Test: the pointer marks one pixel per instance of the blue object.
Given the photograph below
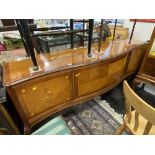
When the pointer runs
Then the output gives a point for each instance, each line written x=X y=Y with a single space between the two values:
x=78 y=26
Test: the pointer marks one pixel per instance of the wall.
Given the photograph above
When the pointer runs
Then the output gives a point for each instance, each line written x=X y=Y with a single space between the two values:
x=142 y=31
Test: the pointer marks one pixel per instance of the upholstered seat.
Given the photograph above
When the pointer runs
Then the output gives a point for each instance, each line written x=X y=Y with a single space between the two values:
x=56 y=126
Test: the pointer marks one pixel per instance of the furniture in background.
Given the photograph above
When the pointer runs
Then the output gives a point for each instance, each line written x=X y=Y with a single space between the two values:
x=10 y=22
x=140 y=121
x=10 y=25
x=46 y=43
x=12 y=41
x=146 y=73
x=68 y=78
x=121 y=32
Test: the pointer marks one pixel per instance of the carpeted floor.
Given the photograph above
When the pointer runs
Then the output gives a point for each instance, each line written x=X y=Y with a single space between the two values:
x=94 y=117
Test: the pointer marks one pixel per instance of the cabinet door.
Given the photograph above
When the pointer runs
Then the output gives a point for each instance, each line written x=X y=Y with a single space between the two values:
x=96 y=77
x=91 y=78
x=40 y=94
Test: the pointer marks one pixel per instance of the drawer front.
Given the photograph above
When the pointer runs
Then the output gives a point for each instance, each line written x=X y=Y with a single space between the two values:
x=39 y=95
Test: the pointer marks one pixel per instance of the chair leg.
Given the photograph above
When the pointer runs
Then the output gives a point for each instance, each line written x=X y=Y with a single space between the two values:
x=120 y=129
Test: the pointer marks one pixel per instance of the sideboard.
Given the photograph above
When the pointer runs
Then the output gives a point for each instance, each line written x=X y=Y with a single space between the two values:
x=68 y=77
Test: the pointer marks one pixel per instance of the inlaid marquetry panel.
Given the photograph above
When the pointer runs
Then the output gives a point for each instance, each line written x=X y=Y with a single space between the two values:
x=39 y=95
x=91 y=79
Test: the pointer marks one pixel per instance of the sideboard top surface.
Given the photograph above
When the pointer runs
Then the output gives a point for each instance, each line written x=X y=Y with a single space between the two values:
x=16 y=71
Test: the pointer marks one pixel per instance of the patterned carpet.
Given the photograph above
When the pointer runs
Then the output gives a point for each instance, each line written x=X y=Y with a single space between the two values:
x=94 y=117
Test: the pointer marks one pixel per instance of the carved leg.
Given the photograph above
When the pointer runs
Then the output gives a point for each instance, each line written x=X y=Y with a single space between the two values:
x=120 y=129
x=27 y=129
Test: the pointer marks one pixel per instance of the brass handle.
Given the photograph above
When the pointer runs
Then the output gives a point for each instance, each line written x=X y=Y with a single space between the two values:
x=66 y=77
x=32 y=114
x=49 y=92
x=68 y=98
x=78 y=74
x=34 y=88
x=47 y=97
x=23 y=91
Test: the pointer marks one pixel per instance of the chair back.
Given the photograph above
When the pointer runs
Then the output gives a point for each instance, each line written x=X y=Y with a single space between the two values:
x=140 y=106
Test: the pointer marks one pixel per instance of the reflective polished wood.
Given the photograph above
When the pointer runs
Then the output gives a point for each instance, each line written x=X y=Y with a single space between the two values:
x=19 y=70
x=68 y=77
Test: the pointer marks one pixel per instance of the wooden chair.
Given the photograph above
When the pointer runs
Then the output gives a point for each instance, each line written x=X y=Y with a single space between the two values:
x=140 y=121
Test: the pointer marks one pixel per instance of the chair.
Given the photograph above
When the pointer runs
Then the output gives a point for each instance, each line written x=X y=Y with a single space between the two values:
x=141 y=120
x=56 y=126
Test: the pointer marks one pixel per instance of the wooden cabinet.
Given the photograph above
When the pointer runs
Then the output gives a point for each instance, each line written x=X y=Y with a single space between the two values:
x=66 y=79
x=39 y=95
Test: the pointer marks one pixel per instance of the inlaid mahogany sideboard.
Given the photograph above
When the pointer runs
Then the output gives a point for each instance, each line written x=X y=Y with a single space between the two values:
x=68 y=77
